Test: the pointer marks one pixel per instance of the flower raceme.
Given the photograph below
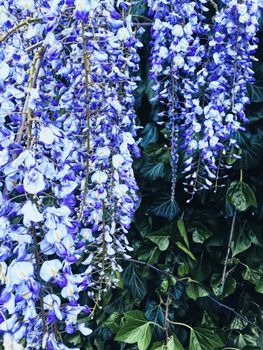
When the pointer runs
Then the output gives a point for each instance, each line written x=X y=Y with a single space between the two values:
x=68 y=191
x=202 y=83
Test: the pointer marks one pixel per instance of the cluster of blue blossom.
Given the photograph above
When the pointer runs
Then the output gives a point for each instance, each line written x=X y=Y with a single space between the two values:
x=68 y=192
x=201 y=72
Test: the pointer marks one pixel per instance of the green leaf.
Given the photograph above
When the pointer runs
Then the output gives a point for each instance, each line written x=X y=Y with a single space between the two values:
x=240 y=243
x=136 y=329
x=174 y=344
x=134 y=282
x=183 y=269
x=151 y=255
x=241 y=196
x=200 y=235
x=204 y=339
x=182 y=230
x=114 y=322
x=252 y=275
x=160 y=238
x=158 y=346
x=259 y=287
x=149 y=134
x=152 y=171
x=185 y=250
x=195 y=290
x=255 y=93
x=218 y=288
x=167 y=209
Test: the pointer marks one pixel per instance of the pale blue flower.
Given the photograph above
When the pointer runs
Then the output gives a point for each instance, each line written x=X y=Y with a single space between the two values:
x=19 y=272
x=50 y=269
x=31 y=213
x=34 y=182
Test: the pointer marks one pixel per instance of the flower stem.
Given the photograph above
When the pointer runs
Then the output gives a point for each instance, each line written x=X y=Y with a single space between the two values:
x=87 y=93
x=39 y=279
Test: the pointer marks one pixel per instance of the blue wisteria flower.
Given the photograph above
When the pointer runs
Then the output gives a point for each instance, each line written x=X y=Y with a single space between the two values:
x=67 y=136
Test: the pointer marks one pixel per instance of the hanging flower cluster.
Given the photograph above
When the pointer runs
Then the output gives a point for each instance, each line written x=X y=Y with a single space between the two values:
x=202 y=71
x=68 y=193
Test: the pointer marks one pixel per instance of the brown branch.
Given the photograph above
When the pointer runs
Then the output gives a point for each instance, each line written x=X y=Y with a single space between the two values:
x=23 y=23
x=34 y=71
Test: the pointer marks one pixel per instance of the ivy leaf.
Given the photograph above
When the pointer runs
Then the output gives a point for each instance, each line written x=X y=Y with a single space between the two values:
x=255 y=93
x=114 y=322
x=241 y=196
x=195 y=290
x=181 y=246
x=174 y=343
x=167 y=209
x=151 y=255
x=252 y=147
x=136 y=329
x=200 y=235
x=158 y=346
x=183 y=232
x=152 y=171
x=160 y=238
x=220 y=289
x=241 y=242
x=204 y=339
x=252 y=275
x=149 y=134
x=133 y=280
x=259 y=287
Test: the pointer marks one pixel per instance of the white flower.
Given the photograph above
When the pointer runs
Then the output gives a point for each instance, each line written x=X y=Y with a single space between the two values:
x=117 y=160
x=30 y=313
x=197 y=127
x=242 y=9
x=50 y=269
x=86 y=233
x=33 y=97
x=192 y=144
x=214 y=141
x=163 y=52
x=123 y=34
x=56 y=236
x=46 y=136
x=120 y=190
x=4 y=156
x=86 y=5
x=178 y=61
x=84 y=330
x=202 y=144
x=3 y=269
x=69 y=290
x=4 y=71
x=178 y=30
x=53 y=302
x=31 y=213
x=99 y=177
x=103 y=152
x=10 y=343
x=20 y=272
x=128 y=138
x=26 y=5
x=34 y=182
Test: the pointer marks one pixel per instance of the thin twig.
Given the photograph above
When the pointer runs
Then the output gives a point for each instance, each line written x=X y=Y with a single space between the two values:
x=228 y=248
x=244 y=318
